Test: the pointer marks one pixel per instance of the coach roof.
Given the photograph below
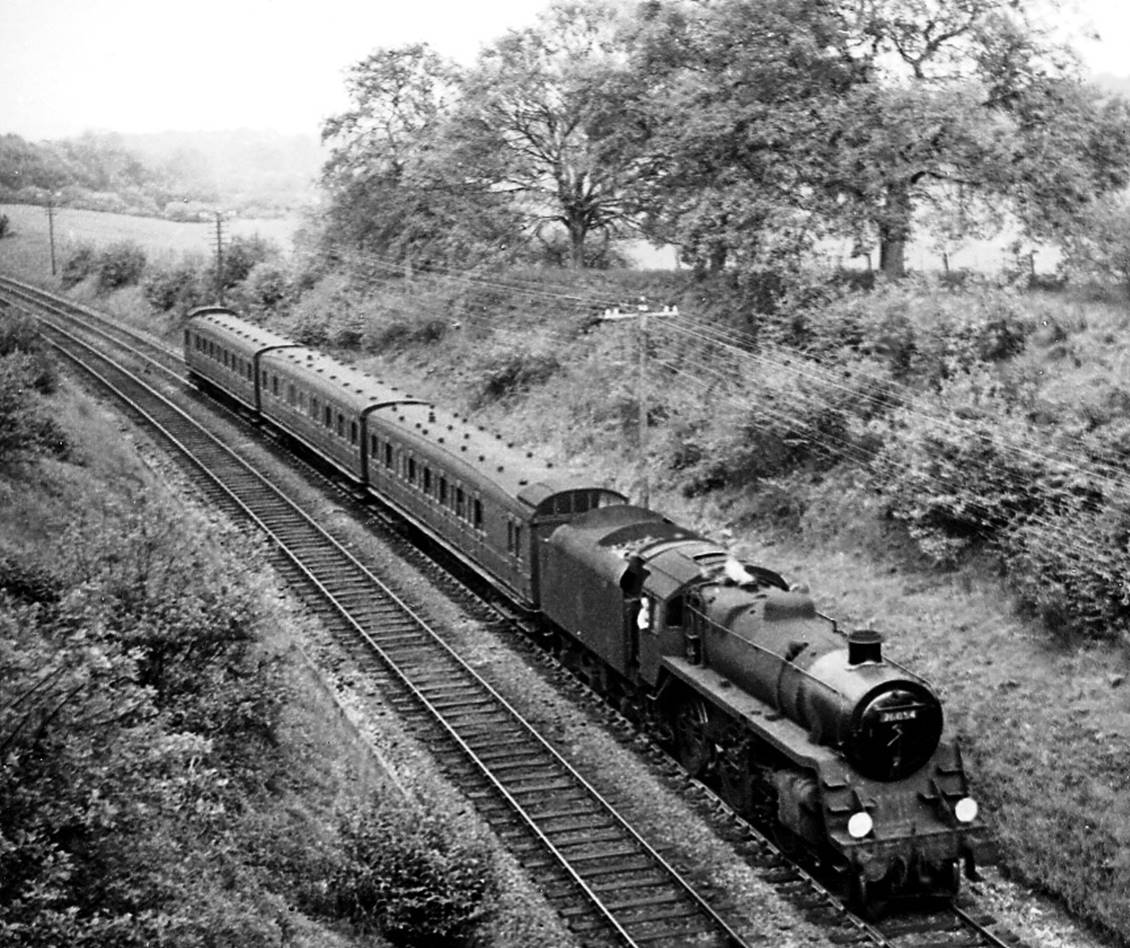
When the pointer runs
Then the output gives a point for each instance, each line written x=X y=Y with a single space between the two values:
x=333 y=379
x=484 y=455
x=223 y=324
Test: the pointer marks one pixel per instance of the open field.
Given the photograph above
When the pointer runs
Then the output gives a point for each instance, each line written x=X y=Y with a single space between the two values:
x=29 y=243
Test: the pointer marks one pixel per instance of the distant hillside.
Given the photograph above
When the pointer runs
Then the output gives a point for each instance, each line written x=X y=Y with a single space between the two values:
x=261 y=173
x=176 y=175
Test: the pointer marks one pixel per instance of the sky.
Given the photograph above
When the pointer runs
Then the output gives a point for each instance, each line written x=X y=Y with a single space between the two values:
x=69 y=66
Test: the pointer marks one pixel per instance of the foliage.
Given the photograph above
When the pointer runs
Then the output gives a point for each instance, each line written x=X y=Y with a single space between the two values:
x=175 y=287
x=79 y=263
x=26 y=374
x=507 y=373
x=975 y=472
x=393 y=197
x=241 y=255
x=140 y=713
x=118 y=265
x=407 y=876
x=529 y=118
x=167 y=175
x=865 y=122
x=1102 y=248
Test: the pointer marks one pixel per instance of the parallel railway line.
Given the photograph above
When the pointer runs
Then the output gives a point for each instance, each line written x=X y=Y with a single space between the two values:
x=608 y=883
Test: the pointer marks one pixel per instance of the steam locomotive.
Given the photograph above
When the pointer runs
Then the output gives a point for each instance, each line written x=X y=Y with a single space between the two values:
x=838 y=747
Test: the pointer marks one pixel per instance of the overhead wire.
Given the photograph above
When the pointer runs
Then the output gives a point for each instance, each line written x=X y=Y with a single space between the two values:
x=704 y=377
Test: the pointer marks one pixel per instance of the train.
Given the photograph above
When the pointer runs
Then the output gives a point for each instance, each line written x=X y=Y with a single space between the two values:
x=804 y=727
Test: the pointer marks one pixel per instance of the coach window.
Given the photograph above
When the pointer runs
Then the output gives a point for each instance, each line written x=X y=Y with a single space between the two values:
x=477 y=514
x=291 y=395
x=460 y=503
x=328 y=417
x=340 y=425
x=353 y=432
x=388 y=454
x=427 y=480
x=411 y=470
x=443 y=491
x=514 y=539
x=373 y=444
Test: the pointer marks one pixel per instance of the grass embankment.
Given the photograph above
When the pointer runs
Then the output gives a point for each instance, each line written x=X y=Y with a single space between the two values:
x=171 y=772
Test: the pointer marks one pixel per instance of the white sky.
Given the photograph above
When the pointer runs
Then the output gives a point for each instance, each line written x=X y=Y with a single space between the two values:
x=152 y=65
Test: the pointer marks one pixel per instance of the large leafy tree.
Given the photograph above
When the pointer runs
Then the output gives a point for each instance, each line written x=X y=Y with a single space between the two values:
x=533 y=112
x=970 y=107
x=725 y=102
x=396 y=193
x=774 y=122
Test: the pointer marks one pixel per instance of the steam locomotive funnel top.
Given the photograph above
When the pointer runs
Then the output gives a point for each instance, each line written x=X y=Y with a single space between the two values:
x=864 y=645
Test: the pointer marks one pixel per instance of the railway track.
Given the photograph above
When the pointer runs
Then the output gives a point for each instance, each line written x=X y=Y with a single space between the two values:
x=604 y=879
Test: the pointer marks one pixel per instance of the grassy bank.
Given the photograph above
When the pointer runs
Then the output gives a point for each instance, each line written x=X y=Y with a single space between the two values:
x=172 y=771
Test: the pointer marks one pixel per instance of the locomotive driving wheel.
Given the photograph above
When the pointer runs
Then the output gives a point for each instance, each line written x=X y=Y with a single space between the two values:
x=692 y=745
x=734 y=770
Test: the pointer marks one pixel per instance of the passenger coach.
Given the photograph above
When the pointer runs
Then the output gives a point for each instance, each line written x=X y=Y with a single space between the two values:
x=223 y=351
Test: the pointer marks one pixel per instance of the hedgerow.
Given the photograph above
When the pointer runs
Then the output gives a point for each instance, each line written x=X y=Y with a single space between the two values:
x=405 y=875
x=139 y=709
x=971 y=471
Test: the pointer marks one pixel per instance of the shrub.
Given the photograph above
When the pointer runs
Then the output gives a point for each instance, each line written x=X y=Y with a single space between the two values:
x=176 y=287
x=973 y=473
x=406 y=875
x=507 y=374
x=26 y=425
x=120 y=264
x=80 y=262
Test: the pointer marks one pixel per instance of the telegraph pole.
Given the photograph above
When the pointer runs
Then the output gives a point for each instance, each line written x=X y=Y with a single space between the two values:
x=51 y=229
x=642 y=313
x=220 y=257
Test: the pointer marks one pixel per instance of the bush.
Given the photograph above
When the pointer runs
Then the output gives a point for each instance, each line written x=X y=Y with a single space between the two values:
x=80 y=262
x=26 y=425
x=510 y=373
x=972 y=472
x=120 y=264
x=408 y=877
x=177 y=287
x=133 y=738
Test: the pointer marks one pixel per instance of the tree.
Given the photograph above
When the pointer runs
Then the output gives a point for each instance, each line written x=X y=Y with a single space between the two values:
x=725 y=103
x=531 y=117
x=860 y=120
x=394 y=193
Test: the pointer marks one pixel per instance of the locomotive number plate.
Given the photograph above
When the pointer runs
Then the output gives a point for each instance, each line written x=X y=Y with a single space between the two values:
x=889 y=717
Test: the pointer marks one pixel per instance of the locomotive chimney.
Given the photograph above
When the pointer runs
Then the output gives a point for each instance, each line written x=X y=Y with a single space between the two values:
x=864 y=645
